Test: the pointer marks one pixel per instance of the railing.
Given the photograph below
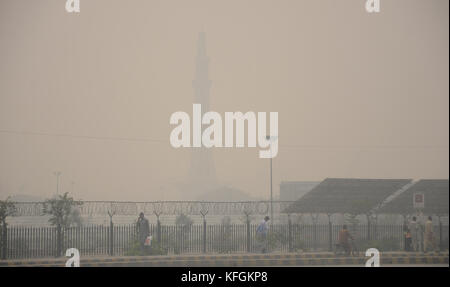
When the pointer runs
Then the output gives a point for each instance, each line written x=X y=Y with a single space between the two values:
x=41 y=242
x=97 y=208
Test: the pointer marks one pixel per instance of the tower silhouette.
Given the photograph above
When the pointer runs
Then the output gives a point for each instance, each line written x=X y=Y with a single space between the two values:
x=202 y=170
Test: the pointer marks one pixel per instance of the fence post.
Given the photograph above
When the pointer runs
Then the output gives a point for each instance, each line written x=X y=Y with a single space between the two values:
x=315 y=218
x=158 y=231
x=204 y=234
x=4 y=240
x=440 y=234
x=58 y=240
x=330 y=234
x=375 y=227
x=111 y=237
x=248 y=232
x=158 y=227
x=289 y=233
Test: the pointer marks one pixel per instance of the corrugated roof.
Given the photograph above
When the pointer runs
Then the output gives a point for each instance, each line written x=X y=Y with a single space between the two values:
x=436 y=193
x=346 y=195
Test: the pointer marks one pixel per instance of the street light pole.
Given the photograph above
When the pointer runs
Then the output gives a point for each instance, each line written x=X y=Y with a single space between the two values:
x=57 y=174
x=271 y=193
x=271 y=186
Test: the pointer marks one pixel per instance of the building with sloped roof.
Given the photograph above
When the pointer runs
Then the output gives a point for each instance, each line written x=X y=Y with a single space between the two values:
x=436 y=197
x=294 y=190
x=346 y=195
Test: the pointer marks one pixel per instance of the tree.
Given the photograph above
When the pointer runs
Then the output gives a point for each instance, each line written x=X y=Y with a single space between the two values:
x=7 y=208
x=61 y=210
x=184 y=221
x=75 y=218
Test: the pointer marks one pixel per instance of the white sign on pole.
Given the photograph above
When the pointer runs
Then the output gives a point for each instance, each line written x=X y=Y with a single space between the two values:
x=419 y=200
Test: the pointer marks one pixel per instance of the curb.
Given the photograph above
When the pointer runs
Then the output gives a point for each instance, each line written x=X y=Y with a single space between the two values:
x=235 y=260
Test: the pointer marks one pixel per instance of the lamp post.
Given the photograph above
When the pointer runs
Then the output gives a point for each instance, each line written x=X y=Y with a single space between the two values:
x=57 y=174
x=271 y=138
x=271 y=189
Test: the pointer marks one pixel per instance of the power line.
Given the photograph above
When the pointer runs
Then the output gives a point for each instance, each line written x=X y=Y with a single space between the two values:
x=365 y=146
x=288 y=146
x=82 y=136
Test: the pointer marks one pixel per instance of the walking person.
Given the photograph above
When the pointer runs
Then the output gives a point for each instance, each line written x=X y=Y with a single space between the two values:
x=421 y=233
x=344 y=238
x=414 y=229
x=143 y=231
x=428 y=236
x=261 y=234
x=408 y=239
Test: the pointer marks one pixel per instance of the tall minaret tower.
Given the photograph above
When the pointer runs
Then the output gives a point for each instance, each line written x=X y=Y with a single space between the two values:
x=202 y=83
x=202 y=172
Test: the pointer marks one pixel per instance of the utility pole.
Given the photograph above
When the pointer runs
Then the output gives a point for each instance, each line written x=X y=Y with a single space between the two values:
x=271 y=185
x=271 y=190
x=57 y=174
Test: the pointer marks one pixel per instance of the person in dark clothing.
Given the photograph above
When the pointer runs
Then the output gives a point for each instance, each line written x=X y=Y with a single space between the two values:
x=408 y=239
x=343 y=239
x=143 y=230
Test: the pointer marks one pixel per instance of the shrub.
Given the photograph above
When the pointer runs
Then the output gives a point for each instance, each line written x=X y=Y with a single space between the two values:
x=135 y=249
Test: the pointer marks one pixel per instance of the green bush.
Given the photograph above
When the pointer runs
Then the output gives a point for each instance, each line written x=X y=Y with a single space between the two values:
x=135 y=249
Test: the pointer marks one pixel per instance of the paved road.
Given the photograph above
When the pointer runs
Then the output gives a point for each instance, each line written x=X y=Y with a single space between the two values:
x=387 y=265
x=238 y=260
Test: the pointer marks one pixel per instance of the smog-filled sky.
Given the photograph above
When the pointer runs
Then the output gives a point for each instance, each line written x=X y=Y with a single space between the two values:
x=90 y=94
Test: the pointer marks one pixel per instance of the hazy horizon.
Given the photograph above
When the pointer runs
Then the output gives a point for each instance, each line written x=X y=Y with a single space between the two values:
x=358 y=95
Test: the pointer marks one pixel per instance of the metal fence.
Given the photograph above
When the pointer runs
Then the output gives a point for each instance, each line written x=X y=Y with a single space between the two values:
x=39 y=242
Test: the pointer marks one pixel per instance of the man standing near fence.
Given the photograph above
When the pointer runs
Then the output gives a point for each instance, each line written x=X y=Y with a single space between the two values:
x=143 y=231
x=344 y=238
x=261 y=234
x=429 y=240
x=414 y=228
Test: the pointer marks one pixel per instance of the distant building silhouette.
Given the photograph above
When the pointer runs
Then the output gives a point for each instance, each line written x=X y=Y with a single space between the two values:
x=202 y=172
x=294 y=190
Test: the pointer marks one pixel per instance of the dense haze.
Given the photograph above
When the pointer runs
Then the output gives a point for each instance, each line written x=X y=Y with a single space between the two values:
x=90 y=94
